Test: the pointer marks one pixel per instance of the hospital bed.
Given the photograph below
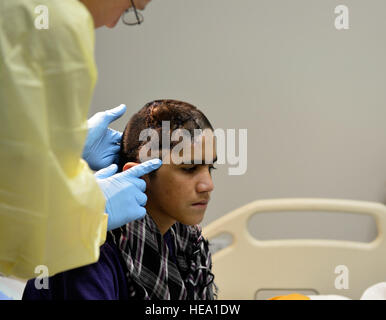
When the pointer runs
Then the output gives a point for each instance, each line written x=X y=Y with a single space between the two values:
x=249 y=266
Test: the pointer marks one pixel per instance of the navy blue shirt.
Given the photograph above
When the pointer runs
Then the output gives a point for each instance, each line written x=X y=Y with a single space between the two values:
x=103 y=280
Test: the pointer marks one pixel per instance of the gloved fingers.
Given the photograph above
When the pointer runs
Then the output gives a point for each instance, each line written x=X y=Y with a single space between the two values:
x=115 y=113
x=139 y=183
x=95 y=119
x=106 y=172
x=116 y=157
x=141 y=212
x=141 y=198
x=144 y=168
x=115 y=136
x=115 y=151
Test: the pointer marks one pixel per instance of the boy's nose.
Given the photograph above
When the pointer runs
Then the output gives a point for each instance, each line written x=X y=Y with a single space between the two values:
x=205 y=183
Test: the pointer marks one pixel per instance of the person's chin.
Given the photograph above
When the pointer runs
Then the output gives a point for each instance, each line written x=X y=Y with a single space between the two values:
x=196 y=216
x=142 y=6
x=111 y=25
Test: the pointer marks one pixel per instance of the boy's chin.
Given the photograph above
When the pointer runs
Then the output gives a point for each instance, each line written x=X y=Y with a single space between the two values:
x=194 y=220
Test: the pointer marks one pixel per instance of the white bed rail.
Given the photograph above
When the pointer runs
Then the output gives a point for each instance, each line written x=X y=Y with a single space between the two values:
x=249 y=265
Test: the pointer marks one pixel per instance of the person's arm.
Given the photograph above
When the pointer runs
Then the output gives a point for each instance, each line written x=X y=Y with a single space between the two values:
x=52 y=208
x=52 y=211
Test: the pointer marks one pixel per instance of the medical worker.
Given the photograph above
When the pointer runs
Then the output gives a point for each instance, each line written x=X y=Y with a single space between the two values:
x=54 y=212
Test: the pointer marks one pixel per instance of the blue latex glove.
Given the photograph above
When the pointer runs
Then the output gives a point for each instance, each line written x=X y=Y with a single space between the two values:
x=102 y=143
x=124 y=192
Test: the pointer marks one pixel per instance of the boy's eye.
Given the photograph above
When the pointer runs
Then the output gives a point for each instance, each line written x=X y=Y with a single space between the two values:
x=194 y=168
x=190 y=169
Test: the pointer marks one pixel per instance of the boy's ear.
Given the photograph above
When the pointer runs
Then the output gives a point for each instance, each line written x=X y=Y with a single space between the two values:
x=129 y=165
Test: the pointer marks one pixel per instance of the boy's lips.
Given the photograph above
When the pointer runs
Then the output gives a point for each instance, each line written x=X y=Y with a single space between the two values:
x=202 y=203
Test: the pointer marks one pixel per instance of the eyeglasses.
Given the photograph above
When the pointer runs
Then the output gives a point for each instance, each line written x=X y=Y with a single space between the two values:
x=132 y=17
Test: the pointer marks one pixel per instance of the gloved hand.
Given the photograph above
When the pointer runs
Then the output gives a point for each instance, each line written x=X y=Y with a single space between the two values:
x=102 y=143
x=124 y=192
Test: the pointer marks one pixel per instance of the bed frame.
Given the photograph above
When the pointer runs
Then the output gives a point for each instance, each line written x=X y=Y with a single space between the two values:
x=249 y=266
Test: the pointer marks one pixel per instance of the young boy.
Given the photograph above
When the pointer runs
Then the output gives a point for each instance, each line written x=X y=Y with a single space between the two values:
x=163 y=255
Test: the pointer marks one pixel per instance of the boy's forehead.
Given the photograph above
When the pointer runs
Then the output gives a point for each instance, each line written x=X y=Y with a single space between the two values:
x=185 y=150
x=195 y=152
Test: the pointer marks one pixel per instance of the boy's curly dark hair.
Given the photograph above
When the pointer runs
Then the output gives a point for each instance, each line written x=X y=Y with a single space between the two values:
x=181 y=115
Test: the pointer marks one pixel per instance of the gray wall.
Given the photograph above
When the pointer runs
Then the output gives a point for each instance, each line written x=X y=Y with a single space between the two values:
x=312 y=97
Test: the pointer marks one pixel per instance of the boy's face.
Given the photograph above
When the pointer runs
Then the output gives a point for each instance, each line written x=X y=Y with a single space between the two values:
x=181 y=192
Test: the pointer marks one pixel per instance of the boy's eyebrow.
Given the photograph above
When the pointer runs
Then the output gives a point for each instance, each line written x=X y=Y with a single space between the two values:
x=201 y=162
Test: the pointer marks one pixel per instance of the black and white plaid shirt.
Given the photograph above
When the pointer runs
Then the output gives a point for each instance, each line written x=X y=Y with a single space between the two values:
x=150 y=271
